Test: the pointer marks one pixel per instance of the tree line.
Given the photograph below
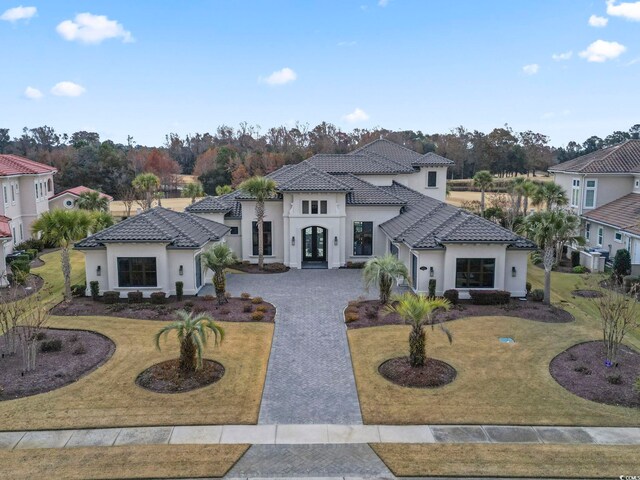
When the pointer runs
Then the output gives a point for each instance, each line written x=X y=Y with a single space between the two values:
x=231 y=155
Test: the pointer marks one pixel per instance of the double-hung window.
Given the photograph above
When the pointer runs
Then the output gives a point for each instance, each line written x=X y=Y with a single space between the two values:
x=600 y=236
x=587 y=231
x=590 y=193
x=137 y=272
x=575 y=192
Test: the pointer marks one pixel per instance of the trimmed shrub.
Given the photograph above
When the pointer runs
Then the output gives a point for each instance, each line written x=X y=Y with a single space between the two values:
x=432 y=287
x=32 y=252
x=158 y=298
x=528 y=287
x=94 y=286
x=580 y=269
x=575 y=258
x=489 y=297
x=275 y=267
x=245 y=296
x=78 y=289
x=179 y=290
x=582 y=369
x=615 y=379
x=357 y=265
x=208 y=298
x=199 y=309
x=537 y=295
x=24 y=257
x=257 y=316
x=134 y=297
x=79 y=350
x=41 y=336
x=31 y=244
x=351 y=317
x=371 y=313
x=259 y=308
x=110 y=297
x=621 y=264
x=247 y=309
x=21 y=265
x=53 y=345
x=256 y=300
x=452 y=295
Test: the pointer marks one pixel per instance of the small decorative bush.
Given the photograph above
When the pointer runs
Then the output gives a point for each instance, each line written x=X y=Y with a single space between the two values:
x=78 y=289
x=432 y=287
x=20 y=266
x=41 y=336
x=351 y=317
x=110 y=297
x=257 y=316
x=528 y=287
x=275 y=267
x=575 y=258
x=247 y=309
x=94 y=286
x=582 y=369
x=259 y=308
x=79 y=350
x=31 y=244
x=245 y=296
x=22 y=258
x=580 y=269
x=158 y=298
x=179 y=290
x=53 y=345
x=452 y=295
x=489 y=297
x=134 y=297
x=615 y=379
x=621 y=264
x=357 y=265
x=208 y=298
x=636 y=385
x=537 y=295
x=256 y=300
x=227 y=295
x=225 y=311
x=32 y=252
x=371 y=313
x=536 y=257
x=199 y=309
x=117 y=307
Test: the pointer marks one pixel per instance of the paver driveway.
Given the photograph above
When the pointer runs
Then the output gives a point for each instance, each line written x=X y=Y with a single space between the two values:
x=310 y=377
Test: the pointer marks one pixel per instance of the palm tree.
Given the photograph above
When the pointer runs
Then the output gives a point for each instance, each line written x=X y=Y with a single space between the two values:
x=146 y=184
x=217 y=259
x=417 y=311
x=223 y=189
x=93 y=201
x=550 y=193
x=381 y=272
x=482 y=180
x=550 y=230
x=261 y=188
x=193 y=191
x=100 y=221
x=62 y=228
x=192 y=331
x=529 y=189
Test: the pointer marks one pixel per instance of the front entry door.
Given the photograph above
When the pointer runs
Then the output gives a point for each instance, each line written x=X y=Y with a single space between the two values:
x=314 y=244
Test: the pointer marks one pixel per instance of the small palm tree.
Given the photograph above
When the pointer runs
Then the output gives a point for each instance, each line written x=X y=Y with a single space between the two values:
x=529 y=189
x=217 y=259
x=193 y=191
x=192 y=331
x=483 y=180
x=223 y=189
x=62 y=228
x=417 y=311
x=147 y=185
x=551 y=194
x=381 y=272
x=100 y=220
x=93 y=201
x=261 y=188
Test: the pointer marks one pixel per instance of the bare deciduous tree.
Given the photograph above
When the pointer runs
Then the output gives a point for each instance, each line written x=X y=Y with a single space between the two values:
x=10 y=312
x=34 y=317
x=619 y=314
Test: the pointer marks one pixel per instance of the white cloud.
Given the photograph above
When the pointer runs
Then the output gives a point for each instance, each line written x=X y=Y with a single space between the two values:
x=18 y=13
x=601 y=51
x=280 y=77
x=358 y=115
x=383 y=3
x=628 y=10
x=68 y=89
x=558 y=57
x=33 y=93
x=596 y=21
x=92 y=29
x=531 y=69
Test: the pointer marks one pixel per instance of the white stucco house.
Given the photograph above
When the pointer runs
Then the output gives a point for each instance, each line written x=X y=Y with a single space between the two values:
x=5 y=237
x=604 y=190
x=67 y=198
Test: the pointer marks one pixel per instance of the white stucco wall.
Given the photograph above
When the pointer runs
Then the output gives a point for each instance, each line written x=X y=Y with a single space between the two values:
x=429 y=259
x=608 y=187
x=609 y=241
x=62 y=200
x=157 y=250
x=377 y=215
x=516 y=285
x=273 y=214
x=92 y=260
x=418 y=182
x=482 y=250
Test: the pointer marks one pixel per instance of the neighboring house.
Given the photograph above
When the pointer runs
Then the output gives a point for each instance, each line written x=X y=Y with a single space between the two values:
x=604 y=189
x=150 y=252
x=67 y=198
x=383 y=198
x=5 y=236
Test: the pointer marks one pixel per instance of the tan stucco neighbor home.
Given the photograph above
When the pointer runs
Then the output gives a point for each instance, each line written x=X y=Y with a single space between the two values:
x=330 y=210
x=67 y=199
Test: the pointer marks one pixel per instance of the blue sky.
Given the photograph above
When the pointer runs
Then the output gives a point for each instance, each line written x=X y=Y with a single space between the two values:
x=150 y=68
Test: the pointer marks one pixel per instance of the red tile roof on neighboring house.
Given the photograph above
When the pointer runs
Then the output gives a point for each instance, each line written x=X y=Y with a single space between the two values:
x=621 y=158
x=623 y=213
x=77 y=191
x=5 y=230
x=15 y=165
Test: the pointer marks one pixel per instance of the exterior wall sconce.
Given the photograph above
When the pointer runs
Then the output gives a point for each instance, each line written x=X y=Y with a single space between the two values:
x=513 y=271
x=293 y=241
x=181 y=270
x=431 y=272
x=335 y=241
x=98 y=271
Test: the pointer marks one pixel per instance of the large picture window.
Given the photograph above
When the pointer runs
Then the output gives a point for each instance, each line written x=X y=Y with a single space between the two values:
x=266 y=236
x=137 y=272
x=475 y=272
x=363 y=238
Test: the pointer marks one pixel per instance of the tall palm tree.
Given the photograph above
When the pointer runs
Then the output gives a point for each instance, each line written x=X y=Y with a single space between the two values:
x=62 y=228
x=192 y=331
x=552 y=194
x=381 y=272
x=482 y=180
x=217 y=259
x=193 y=191
x=261 y=188
x=147 y=185
x=417 y=311
x=93 y=201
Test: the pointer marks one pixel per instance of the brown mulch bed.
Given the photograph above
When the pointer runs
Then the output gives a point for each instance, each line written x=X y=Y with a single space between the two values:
x=54 y=369
x=268 y=268
x=165 y=377
x=13 y=293
x=371 y=314
x=581 y=369
x=232 y=311
x=434 y=373
x=587 y=293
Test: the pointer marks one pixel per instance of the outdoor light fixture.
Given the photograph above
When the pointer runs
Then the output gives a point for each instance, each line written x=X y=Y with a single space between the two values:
x=335 y=240
x=513 y=271
x=181 y=270
x=98 y=271
x=293 y=241
x=431 y=271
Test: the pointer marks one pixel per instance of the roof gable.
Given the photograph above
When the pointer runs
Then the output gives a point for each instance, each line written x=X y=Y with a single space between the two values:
x=621 y=158
x=623 y=213
x=77 y=191
x=15 y=165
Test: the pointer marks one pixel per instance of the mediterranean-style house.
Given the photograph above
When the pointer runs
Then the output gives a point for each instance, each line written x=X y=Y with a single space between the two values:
x=67 y=198
x=604 y=190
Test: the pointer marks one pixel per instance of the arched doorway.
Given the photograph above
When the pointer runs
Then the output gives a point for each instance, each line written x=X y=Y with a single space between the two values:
x=314 y=247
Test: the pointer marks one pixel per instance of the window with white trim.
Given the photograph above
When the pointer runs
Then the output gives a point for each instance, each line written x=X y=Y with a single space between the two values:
x=314 y=207
x=600 y=236
x=618 y=236
x=21 y=233
x=587 y=230
x=35 y=184
x=6 y=197
x=13 y=193
x=575 y=192
x=590 y=187
x=432 y=179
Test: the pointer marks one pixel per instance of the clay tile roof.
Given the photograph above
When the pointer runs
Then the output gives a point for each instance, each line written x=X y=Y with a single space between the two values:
x=77 y=191
x=5 y=230
x=15 y=165
x=365 y=193
x=431 y=159
x=623 y=213
x=621 y=158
